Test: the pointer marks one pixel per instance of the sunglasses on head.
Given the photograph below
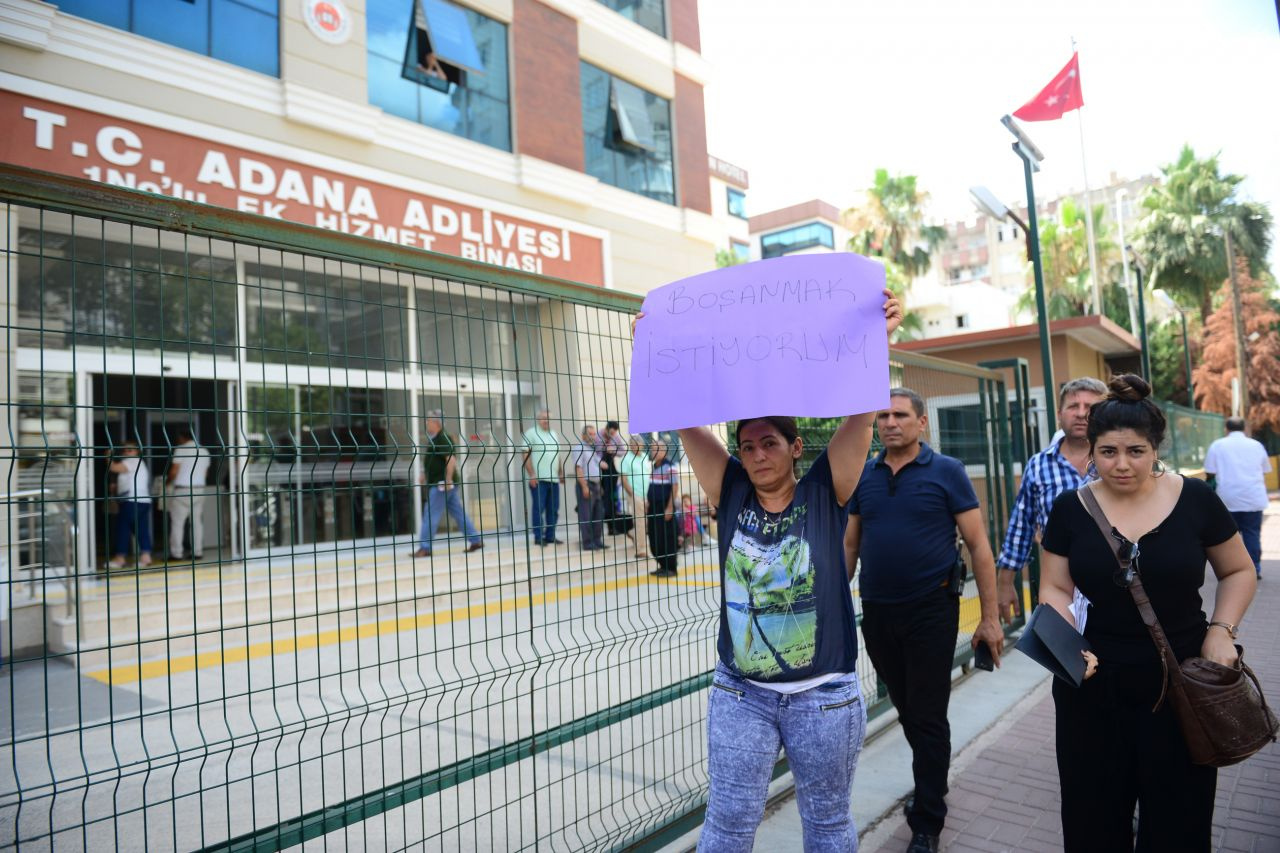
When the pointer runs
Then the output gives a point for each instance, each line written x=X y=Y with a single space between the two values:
x=1128 y=554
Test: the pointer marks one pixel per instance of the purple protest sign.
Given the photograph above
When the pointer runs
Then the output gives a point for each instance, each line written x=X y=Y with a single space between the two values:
x=802 y=335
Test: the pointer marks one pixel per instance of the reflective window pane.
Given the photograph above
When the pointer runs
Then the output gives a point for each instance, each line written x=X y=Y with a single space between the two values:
x=242 y=32
x=476 y=107
x=648 y=172
x=647 y=13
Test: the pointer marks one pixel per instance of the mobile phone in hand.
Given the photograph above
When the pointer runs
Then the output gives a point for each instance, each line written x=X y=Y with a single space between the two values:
x=982 y=657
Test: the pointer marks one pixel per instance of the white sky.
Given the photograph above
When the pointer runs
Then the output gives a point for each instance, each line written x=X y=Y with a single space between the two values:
x=811 y=96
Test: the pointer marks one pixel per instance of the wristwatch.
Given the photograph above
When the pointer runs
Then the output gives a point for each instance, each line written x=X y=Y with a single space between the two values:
x=1230 y=629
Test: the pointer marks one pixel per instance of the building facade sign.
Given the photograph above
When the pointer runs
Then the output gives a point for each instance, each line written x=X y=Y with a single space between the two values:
x=328 y=20
x=727 y=172
x=70 y=141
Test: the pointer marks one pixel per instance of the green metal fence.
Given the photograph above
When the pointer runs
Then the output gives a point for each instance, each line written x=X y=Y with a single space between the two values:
x=1190 y=434
x=303 y=677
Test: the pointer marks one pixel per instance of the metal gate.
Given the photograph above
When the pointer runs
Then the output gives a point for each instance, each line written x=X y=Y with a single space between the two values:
x=302 y=679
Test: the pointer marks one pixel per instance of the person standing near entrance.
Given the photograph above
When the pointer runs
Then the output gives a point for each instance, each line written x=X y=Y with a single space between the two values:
x=586 y=466
x=612 y=448
x=635 y=468
x=662 y=500
x=1060 y=467
x=133 y=496
x=1238 y=465
x=903 y=518
x=188 y=472
x=541 y=466
x=439 y=470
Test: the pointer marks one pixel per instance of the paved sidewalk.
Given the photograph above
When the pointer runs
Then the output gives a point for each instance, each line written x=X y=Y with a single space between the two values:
x=1004 y=787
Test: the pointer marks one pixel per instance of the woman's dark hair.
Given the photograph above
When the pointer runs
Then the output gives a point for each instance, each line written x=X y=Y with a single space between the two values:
x=1127 y=406
x=782 y=423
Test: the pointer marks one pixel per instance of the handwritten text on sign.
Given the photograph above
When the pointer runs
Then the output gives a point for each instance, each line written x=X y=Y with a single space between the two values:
x=801 y=335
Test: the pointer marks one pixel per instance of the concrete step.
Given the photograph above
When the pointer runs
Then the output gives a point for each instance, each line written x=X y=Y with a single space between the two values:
x=143 y=612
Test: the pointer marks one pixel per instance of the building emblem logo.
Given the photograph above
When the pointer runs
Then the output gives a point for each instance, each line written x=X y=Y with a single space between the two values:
x=328 y=20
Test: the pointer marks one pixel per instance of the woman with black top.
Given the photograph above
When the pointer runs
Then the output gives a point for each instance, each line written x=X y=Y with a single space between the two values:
x=1113 y=750
x=788 y=642
x=663 y=498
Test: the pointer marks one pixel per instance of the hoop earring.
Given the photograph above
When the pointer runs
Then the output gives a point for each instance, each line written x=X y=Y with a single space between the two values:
x=1158 y=469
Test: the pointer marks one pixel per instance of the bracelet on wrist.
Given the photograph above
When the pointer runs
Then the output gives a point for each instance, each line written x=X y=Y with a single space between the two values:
x=1232 y=630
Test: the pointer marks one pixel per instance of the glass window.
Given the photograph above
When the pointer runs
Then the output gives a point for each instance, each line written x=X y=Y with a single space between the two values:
x=464 y=331
x=86 y=282
x=242 y=32
x=742 y=251
x=327 y=464
x=627 y=135
x=458 y=83
x=326 y=314
x=794 y=239
x=737 y=203
x=646 y=13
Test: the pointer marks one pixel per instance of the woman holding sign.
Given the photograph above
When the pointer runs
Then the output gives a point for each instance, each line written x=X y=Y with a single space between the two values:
x=788 y=643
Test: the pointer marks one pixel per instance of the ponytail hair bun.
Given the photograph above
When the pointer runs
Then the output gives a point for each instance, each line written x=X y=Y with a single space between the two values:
x=1128 y=405
x=1128 y=387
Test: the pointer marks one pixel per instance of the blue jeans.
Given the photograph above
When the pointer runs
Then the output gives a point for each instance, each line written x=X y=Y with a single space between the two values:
x=544 y=506
x=1250 y=524
x=133 y=519
x=438 y=502
x=822 y=731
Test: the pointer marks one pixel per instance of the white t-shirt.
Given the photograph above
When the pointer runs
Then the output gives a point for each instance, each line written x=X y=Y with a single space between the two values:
x=134 y=483
x=193 y=465
x=1239 y=463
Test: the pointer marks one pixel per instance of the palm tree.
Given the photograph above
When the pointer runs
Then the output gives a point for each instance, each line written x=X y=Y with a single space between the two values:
x=890 y=224
x=1182 y=231
x=1064 y=258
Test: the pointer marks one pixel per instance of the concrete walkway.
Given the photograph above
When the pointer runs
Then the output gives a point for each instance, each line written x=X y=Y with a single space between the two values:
x=1004 y=777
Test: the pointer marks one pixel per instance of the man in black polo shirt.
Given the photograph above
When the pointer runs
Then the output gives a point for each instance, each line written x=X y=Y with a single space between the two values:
x=439 y=469
x=902 y=523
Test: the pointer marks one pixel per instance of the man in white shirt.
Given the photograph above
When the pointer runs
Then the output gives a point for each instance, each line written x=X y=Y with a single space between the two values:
x=133 y=516
x=188 y=472
x=1238 y=465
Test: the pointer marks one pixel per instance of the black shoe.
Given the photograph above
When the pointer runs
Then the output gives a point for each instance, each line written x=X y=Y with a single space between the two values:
x=923 y=842
x=908 y=805
x=664 y=573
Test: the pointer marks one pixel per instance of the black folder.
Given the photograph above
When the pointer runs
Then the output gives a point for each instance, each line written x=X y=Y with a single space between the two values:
x=1055 y=644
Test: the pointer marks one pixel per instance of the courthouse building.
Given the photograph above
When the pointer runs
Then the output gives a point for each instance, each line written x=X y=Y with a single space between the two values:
x=565 y=138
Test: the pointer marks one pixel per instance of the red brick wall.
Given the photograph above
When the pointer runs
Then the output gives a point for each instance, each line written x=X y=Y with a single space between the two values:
x=548 y=90
x=691 y=146
x=684 y=23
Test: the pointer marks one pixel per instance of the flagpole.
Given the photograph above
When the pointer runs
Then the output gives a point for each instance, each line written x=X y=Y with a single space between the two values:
x=1088 y=210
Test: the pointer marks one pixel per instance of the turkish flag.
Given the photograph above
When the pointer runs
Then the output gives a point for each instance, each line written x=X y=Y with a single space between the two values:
x=1062 y=95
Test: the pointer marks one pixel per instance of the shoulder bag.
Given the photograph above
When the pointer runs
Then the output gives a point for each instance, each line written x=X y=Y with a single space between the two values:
x=1223 y=716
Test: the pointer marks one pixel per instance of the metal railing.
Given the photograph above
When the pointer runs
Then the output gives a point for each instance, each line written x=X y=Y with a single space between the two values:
x=1190 y=433
x=307 y=678
x=45 y=535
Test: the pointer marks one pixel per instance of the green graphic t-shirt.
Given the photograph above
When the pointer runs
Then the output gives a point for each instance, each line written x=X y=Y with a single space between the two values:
x=786 y=612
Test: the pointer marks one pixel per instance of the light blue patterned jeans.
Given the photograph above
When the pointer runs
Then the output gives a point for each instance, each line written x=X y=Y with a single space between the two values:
x=822 y=731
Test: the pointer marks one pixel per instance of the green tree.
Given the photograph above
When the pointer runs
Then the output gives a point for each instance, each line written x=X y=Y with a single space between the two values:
x=890 y=224
x=1168 y=362
x=1064 y=259
x=726 y=258
x=1182 y=231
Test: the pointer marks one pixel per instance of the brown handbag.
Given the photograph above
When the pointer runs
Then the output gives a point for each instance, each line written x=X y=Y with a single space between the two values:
x=1223 y=716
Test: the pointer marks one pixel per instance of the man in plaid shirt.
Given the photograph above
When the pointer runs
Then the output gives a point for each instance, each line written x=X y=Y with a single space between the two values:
x=1061 y=466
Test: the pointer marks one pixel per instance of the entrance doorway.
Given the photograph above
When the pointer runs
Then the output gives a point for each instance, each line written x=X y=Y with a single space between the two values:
x=152 y=411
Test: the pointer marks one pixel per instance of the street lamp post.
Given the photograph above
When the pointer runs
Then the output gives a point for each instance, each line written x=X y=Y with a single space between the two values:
x=1031 y=157
x=1237 y=310
x=1186 y=344
x=1140 y=267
